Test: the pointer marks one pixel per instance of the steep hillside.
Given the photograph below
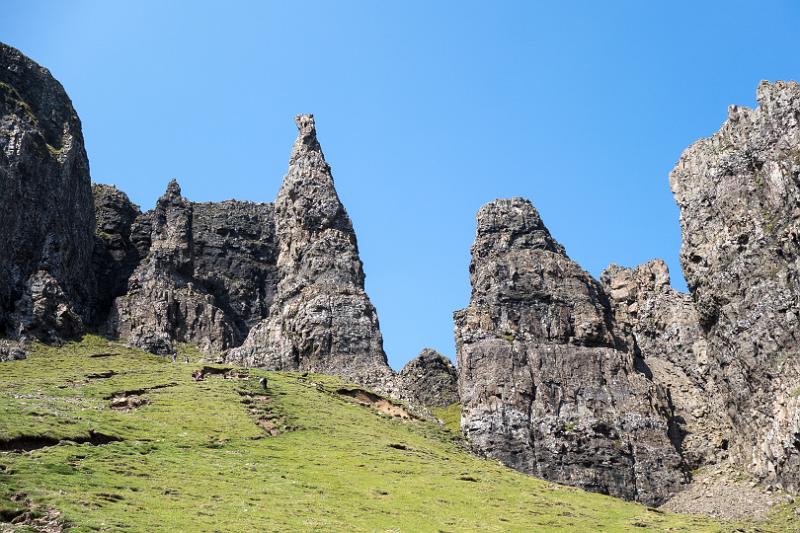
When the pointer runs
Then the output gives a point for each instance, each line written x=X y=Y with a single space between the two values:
x=153 y=450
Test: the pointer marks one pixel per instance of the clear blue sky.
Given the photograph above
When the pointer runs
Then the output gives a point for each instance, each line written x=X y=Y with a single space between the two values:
x=426 y=110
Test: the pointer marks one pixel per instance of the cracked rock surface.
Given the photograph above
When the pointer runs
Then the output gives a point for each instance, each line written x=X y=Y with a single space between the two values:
x=321 y=319
x=431 y=379
x=547 y=385
x=47 y=219
x=739 y=197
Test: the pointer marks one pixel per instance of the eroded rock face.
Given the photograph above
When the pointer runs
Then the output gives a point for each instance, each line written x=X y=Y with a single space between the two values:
x=739 y=196
x=547 y=385
x=235 y=254
x=163 y=304
x=115 y=256
x=321 y=319
x=47 y=218
x=430 y=379
x=666 y=335
x=201 y=273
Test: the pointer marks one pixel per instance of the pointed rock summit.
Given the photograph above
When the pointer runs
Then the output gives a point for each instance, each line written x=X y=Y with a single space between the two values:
x=321 y=319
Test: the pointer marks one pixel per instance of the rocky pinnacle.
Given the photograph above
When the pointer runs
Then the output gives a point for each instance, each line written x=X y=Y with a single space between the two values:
x=321 y=319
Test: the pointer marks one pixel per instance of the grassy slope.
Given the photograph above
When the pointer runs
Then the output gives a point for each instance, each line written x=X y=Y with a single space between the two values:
x=193 y=459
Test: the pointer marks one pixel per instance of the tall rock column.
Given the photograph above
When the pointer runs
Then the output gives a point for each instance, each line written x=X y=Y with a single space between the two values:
x=547 y=386
x=46 y=211
x=739 y=196
x=321 y=319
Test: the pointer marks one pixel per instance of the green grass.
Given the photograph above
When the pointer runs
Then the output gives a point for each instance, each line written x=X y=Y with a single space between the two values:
x=450 y=416
x=194 y=459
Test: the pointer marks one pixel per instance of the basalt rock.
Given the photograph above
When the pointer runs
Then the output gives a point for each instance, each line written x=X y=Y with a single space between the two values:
x=320 y=319
x=739 y=197
x=547 y=384
x=164 y=305
x=666 y=335
x=115 y=256
x=430 y=379
x=235 y=254
x=47 y=218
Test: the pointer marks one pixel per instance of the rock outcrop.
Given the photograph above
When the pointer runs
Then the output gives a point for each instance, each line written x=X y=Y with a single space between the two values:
x=430 y=379
x=47 y=218
x=115 y=256
x=321 y=319
x=666 y=335
x=202 y=273
x=235 y=254
x=739 y=197
x=547 y=384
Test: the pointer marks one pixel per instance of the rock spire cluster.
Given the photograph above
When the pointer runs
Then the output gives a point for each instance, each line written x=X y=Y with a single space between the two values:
x=620 y=385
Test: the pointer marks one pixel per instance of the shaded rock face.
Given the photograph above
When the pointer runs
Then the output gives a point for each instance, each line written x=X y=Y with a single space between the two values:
x=235 y=254
x=665 y=332
x=321 y=319
x=739 y=196
x=47 y=219
x=547 y=385
x=115 y=257
x=207 y=274
x=430 y=379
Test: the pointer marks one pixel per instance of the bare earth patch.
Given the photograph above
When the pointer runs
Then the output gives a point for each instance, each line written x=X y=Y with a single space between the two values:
x=378 y=403
x=127 y=402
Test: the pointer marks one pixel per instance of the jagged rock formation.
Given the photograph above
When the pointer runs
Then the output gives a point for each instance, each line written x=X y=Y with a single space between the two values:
x=162 y=305
x=115 y=256
x=321 y=319
x=547 y=385
x=666 y=334
x=739 y=196
x=430 y=379
x=622 y=386
x=206 y=273
x=46 y=220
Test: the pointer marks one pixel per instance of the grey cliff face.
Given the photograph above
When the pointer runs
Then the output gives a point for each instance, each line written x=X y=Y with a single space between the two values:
x=235 y=255
x=47 y=220
x=320 y=319
x=163 y=304
x=430 y=379
x=207 y=270
x=664 y=329
x=739 y=196
x=546 y=383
